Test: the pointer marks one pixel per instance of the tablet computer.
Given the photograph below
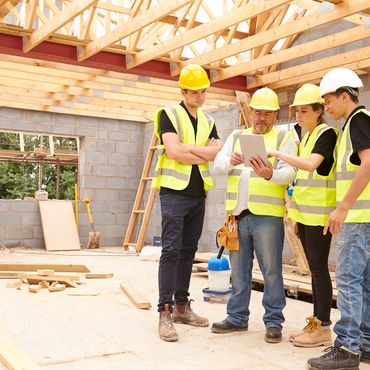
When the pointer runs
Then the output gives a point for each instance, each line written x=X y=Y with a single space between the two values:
x=252 y=146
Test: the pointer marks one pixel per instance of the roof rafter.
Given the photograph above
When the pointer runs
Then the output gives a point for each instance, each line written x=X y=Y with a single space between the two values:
x=275 y=34
x=53 y=24
x=233 y=17
x=318 y=65
x=308 y=48
x=134 y=25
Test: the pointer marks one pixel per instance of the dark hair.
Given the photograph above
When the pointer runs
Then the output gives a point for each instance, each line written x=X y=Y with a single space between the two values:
x=351 y=91
x=320 y=107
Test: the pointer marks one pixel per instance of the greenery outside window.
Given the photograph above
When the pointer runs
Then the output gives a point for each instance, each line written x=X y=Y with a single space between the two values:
x=36 y=161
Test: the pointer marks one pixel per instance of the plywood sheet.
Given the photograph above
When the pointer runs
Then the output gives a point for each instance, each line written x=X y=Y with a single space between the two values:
x=58 y=225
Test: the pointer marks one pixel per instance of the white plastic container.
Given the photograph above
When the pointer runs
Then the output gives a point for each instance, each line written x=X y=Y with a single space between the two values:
x=219 y=274
x=219 y=280
x=150 y=253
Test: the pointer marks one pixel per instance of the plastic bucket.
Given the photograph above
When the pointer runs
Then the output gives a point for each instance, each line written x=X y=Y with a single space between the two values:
x=219 y=274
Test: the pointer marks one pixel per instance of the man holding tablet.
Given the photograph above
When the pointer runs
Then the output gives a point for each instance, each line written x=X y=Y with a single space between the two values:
x=255 y=195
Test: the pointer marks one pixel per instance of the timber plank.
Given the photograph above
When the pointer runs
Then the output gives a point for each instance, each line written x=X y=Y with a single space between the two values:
x=136 y=297
x=13 y=357
x=40 y=266
x=99 y=275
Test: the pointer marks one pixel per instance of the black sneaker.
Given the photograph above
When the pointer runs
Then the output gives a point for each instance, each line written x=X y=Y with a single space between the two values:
x=227 y=327
x=365 y=356
x=273 y=335
x=335 y=358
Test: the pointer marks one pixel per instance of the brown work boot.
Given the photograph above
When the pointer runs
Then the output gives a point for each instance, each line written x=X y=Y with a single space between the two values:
x=318 y=335
x=306 y=329
x=166 y=330
x=184 y=314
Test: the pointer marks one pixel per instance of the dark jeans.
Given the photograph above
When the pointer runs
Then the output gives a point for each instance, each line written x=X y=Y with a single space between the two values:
x=317 y=247
x=182 y=223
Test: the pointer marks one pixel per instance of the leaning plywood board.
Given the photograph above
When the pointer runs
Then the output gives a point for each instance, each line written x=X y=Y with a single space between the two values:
x=136 y=297
x=58 y=225
x=13 y=358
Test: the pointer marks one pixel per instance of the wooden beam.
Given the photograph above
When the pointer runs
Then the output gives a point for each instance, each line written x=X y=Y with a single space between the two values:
x=227 y=20
x=13 y=357
x=5 y=5
x=128 y=28
x=53 y=24
x=39 y=266
x=298 y=51
x=136 y=297
x=322 y=65
x=311 y=21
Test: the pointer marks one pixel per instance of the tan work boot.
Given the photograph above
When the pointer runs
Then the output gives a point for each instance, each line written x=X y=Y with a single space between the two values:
x=306 y=329
x=166 y=330
x=317 y=336
x=184 y=314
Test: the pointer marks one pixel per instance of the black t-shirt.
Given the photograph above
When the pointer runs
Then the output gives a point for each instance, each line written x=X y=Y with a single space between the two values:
x=195 y=187
x=324 y=146
x=360 y=133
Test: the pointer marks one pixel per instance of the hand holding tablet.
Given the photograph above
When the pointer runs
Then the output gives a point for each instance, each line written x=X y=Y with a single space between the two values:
x=253 y=146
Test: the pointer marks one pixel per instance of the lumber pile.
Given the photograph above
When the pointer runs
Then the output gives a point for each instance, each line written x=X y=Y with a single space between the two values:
x=45 y=277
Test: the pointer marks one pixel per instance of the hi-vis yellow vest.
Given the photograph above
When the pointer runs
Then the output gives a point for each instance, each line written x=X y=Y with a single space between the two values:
x=314 y=195
x=170 y=173
x=360 y=210
x=264 y=197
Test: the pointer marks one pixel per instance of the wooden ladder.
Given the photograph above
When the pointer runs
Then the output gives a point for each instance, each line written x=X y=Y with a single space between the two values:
x=138 y=208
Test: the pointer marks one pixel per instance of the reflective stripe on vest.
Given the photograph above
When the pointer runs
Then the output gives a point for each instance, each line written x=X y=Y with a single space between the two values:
x=170 y=173
x=346 y=171
x=314 y=195
x=258 y=202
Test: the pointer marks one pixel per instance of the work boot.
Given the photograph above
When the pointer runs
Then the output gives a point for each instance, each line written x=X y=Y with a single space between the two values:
x=309 y=321
x=227 y=327
x=273 y=335
x=365 y=356
x=184 y=314
x=336 y=357
x=166 y=330
x=317 y=335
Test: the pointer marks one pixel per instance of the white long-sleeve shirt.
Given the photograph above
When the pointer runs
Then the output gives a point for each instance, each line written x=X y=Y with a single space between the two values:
x=283 y=174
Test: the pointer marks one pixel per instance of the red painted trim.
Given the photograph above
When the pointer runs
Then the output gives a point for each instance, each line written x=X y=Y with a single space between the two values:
x=13 y=45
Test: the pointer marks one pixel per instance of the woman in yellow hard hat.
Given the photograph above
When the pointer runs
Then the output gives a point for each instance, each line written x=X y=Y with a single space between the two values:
x=312 y=201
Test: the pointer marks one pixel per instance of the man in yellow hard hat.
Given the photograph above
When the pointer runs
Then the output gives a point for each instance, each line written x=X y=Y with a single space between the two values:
x=255 y=195
x=351 y=220
x=188 y=141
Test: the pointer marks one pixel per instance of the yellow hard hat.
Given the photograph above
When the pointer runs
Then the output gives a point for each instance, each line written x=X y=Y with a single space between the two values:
x=193 y=77
x=265 y=99
x=307 y=94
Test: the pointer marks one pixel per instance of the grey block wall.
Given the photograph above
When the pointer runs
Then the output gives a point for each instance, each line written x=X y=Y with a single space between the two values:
x=111 y=161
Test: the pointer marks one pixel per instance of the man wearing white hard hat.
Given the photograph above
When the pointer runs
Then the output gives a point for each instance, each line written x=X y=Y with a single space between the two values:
x=255 y=195
x=351 y=219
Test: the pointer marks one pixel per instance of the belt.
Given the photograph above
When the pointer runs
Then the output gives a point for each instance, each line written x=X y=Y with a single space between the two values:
x=243 y=214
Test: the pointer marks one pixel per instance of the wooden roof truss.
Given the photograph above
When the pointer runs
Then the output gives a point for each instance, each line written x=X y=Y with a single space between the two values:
x=251 y=38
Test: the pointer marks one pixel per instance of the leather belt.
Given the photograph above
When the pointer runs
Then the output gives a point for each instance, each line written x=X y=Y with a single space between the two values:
x=243 y=214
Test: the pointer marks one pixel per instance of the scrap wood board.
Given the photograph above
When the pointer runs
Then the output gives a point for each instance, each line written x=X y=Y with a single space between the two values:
x=13 y=358
x=136 y=297
x=58 y=225
x=41 y=266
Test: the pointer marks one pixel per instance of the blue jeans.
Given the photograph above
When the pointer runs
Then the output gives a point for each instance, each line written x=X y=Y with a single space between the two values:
x=353 y=284
x=182 y=223
x=263 y=235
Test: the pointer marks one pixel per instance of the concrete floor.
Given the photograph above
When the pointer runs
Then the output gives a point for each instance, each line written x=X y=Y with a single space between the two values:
x=106 y=331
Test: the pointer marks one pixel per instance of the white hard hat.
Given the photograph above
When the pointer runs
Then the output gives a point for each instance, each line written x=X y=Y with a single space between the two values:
x=337 y=78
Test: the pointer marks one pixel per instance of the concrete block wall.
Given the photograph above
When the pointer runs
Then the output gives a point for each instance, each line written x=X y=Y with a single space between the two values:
x=111 y=161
